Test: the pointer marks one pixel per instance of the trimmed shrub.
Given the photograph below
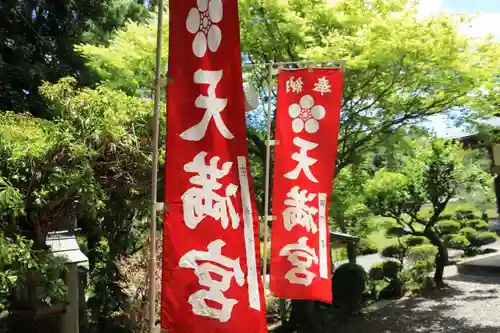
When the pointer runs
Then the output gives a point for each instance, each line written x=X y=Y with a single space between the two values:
x=483 y=226
x=377 y=272
x=394 y=290
x=391 y=269
x=394 y=251
x=468 y=232
x=458 y=242
x=420 y=270
x=366 y=247
x=447 y=227
x=471 y=223
x=411 y=240
x=476 y=224
x=447 y=238
x=483 y=238
x=395 y=231
x=465 y=215
x=444 y=217
x=348 y=288
x=425 y=252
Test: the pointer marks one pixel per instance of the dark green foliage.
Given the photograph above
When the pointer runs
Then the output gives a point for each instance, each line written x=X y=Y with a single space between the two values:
x=411 y=240
x=483 y=238
x=38 y=39
x=394 y=290
x=348 y=287
x=394 y=251
x=395 y=231
x=377 y=272
x=445 y=227
x=388 y=271
x=366 y=247
x=37 y=44
x=391 y=269
x=465 y=215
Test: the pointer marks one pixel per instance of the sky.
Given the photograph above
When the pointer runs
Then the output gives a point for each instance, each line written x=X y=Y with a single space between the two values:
x=486 y=21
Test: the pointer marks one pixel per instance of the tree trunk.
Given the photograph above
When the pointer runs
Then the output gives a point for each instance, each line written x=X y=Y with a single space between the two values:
x=441 y=257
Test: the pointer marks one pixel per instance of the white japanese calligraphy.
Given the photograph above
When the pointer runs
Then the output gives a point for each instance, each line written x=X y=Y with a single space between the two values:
x=304 y=161
x=294 y=85
x=216 y=273
x=302 y=257
x=298 y=212
x=213 y=107
x=202 y=200
x=322 y=85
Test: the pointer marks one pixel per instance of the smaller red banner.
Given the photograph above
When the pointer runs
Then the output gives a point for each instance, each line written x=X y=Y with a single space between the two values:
x=307 y=126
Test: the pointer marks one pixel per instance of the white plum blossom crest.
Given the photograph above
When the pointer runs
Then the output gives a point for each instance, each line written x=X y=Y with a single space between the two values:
x=201 y=21
x=306 y=115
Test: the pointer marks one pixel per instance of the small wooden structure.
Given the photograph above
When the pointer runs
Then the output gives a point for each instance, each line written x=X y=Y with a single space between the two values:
x=341 y=240
x=476 y=141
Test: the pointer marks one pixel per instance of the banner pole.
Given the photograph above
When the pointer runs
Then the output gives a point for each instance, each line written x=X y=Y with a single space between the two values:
x=154 y=172
x=268 y=165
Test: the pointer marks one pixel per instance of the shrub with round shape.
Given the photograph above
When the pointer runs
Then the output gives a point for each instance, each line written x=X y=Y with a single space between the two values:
x=348 y=287
x=468 y=232
x=394 y=251
x=447 y=227
x=425 y=252
x=391 y=269
x=479 y=225
x=483 y=238
x=411 y=240
x=458 y=242
x=377 y=271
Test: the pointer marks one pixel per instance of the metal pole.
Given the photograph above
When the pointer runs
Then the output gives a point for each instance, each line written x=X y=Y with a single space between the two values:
x=268 y=164
x=154 y=172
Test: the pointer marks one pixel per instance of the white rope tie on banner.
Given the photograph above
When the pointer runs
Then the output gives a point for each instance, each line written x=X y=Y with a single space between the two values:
x=272 y=142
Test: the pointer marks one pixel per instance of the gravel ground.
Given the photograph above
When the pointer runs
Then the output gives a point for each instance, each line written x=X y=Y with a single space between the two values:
x=471 y=304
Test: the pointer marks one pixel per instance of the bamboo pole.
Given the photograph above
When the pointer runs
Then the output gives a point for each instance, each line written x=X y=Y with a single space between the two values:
x=268 y=166
x=154 y=172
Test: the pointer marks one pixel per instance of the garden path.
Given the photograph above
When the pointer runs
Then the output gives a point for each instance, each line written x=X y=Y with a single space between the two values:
x=471 y=304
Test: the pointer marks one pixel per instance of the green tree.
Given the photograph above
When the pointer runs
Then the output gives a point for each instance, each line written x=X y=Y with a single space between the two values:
x=399 y=69
x=128 y=62
x=90 y=165
x=37 y=43
x=434 y=172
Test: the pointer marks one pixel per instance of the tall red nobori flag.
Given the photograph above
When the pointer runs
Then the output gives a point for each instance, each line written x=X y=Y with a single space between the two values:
x=211 y=281
x=307 y=126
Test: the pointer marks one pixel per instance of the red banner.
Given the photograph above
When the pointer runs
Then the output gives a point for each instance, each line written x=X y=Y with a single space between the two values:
x=307 y=126
x=211 y=272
